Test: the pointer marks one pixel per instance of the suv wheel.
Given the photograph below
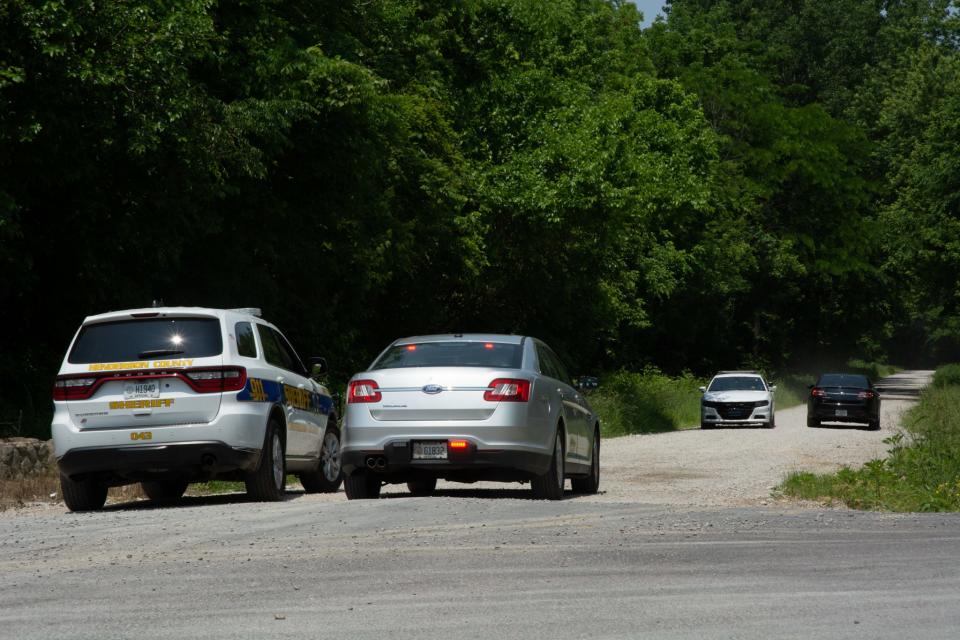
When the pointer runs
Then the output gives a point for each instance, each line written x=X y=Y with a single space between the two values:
x=362 y=486
x=82 y=495
x=549 y=486
x=591 y=483
x=327 y=477
x=267 y=483
x=164 y=490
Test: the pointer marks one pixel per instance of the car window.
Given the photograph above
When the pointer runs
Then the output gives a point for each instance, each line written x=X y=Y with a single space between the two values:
x=738 y=383
x=272 y=351
x=147 y=339
x=289 y=355
x=559 y=367
x=246 y=345
x=843 y=380
x=496 y=355
x=547 y=365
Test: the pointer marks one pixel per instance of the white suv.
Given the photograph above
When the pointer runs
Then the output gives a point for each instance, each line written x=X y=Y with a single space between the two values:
x=173 y=395
x=737 y=398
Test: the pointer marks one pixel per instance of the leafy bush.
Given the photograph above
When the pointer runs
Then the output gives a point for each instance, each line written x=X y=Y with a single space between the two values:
x=873 y=370
x=647 y=402
x=920 y=473
x=946 y=376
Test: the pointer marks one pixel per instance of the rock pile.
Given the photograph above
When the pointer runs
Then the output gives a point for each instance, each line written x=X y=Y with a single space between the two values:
x=22 y=457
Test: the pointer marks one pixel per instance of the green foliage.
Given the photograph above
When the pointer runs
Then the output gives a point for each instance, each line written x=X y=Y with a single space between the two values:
x=647 y=402
x=921 y=471
x=947 y=375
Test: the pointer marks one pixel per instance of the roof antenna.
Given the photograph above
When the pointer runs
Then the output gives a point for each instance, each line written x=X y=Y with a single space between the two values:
x=157 y=303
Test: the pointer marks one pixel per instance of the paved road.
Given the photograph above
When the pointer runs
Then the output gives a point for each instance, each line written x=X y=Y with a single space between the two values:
x=477 y=563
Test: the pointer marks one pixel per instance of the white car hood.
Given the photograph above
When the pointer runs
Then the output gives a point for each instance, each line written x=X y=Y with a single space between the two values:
x=736 y=396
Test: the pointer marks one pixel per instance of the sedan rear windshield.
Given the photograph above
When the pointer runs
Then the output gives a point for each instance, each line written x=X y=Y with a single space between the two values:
x=147 y=339
x=843 y=380
x=452 y=354
x=738 y=383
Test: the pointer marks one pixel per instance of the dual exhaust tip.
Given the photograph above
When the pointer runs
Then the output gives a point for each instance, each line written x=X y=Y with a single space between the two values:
x=376 y=463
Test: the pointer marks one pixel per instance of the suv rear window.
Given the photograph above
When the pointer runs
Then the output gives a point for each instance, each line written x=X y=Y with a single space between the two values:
x=452 y=354
x=147 y=339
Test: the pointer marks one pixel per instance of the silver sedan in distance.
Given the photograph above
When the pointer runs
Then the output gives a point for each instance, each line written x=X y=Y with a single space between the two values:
x=466 y=408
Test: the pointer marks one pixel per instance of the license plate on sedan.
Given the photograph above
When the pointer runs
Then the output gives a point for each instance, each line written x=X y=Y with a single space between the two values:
x=841 y=413
x=145 y=389
x=430 y=450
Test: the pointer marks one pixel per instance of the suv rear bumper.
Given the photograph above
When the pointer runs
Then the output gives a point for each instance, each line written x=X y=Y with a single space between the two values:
x=188 y=459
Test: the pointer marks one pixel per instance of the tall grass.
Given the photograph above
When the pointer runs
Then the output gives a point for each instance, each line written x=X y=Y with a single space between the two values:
x=920 y=473
x=646 y=402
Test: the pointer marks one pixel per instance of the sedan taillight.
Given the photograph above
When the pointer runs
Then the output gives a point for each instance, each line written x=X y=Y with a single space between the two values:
x=508 y=390
x=818 y=393
x=363 y=391
x=866 y=395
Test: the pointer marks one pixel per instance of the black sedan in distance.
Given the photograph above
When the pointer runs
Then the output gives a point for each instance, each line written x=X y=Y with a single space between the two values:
x=843 y=397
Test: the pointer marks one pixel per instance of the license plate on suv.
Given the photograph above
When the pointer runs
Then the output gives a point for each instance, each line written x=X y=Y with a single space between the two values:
x=430 y=450
x=145 y=389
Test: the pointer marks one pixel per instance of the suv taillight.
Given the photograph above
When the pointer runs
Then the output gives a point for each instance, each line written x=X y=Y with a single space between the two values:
x=73 y=387
x=363 y=391
x=216 y=379
x=508 y=390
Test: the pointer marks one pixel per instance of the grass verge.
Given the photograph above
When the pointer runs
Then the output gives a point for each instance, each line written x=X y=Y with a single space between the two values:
x=920 y=473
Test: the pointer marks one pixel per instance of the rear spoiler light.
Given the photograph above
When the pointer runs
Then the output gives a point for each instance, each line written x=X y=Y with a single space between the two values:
x=200 y=379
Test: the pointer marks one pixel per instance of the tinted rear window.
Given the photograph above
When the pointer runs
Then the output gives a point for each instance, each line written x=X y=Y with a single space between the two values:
x=737 y=383
x=843 y=380
x=149 y=339
x=452 y=354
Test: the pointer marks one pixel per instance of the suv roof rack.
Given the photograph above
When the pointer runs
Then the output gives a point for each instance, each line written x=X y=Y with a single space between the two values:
x=250 y=311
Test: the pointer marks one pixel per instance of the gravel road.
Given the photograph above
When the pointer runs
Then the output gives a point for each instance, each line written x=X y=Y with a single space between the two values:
x=644 y=559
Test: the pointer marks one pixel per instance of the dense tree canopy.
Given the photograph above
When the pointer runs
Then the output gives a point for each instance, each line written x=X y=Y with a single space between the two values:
x=747 y=182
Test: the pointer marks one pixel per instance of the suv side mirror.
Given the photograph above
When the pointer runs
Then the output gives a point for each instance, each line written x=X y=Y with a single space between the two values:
x=587 y=382
x=318 y=367
x=703 y=389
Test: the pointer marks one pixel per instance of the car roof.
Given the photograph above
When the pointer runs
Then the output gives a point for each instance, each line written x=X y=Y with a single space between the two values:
x=462 y=337
x=725 y=374
x=148 y=312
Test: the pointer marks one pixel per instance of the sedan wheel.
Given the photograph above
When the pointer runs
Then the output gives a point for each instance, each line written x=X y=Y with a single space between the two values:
x=549 y=486
x=591 y=483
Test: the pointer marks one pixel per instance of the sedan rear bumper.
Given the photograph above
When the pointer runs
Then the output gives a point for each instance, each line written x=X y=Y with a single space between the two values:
x=829 y=413
x=395 y=463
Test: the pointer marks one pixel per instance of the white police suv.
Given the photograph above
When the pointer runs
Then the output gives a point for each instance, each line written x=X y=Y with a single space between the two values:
x=173 y=395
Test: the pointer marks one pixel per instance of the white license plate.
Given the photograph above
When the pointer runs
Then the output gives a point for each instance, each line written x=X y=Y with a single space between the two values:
x=841 y=413
x=429 y=450
x=146 y=389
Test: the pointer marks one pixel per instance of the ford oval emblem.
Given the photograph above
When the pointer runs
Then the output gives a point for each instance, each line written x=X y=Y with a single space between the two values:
x=433 y=389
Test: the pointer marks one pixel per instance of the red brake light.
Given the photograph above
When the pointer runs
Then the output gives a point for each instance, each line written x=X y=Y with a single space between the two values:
x=458 y=444
x=508 y=390
x=411 y=347
x=488 y=345
x=818 y=393
x=216 y=380
x=364 y=391
x=73 y=388
x=866 y=395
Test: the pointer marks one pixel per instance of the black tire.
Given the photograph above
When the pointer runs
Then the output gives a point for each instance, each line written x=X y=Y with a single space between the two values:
x=591 y=483
x=874 y=425
x=772 y=424
x=268 y=482
x=704 y=425
x=549 y=486
x=82 y=495
x=812 y=422
x=422 y=486
x=328 y=476
x=164 y=491
x=362 y=486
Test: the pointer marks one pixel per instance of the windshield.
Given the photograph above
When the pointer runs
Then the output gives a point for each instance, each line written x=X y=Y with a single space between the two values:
x=452 y=354
x=843 y=380
x=148 y=339
x=738 y=383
